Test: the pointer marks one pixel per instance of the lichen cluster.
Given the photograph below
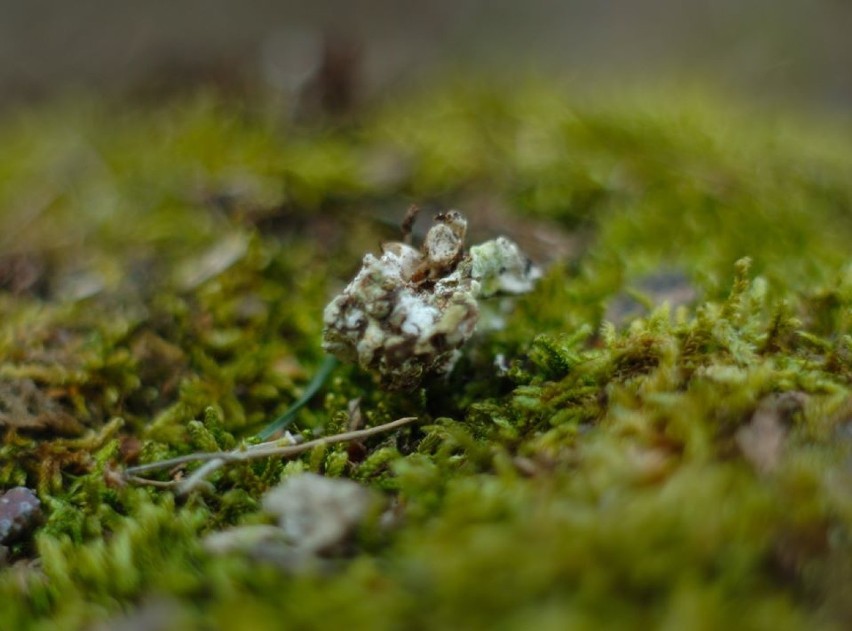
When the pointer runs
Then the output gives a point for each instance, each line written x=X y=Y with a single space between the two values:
x=608 y=457
x=407 y=314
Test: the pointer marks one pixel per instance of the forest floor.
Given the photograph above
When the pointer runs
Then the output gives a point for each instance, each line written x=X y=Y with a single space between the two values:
x=658 y=435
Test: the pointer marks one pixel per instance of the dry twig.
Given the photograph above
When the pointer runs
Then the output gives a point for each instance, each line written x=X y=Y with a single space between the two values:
x=214 y=460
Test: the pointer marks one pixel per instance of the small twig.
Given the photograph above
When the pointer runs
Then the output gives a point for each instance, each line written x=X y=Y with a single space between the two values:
x=407 y=227
x=217 y=459
x=185 y=486
x=160 y=484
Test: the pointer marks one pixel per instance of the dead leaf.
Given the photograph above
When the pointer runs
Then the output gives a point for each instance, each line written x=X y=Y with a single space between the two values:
x=23 y=405
x=23 y=274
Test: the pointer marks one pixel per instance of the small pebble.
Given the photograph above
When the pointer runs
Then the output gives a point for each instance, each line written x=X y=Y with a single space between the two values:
x=20 y=511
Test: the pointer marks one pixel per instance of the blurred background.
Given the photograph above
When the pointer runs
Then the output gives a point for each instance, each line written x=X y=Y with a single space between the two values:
x=796 y=51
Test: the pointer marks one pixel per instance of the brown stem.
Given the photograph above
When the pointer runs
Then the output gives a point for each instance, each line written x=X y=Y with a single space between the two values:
x=262 y=450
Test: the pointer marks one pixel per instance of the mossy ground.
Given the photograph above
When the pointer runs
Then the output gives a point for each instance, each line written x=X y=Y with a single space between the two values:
x=164 y=268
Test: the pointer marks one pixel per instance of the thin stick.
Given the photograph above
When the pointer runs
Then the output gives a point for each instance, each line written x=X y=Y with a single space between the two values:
x=264 y=450
x=160 y=484
x=185 y=486
x=407 y=226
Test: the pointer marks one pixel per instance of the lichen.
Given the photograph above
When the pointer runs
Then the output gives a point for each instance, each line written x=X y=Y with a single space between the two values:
x=407 y=314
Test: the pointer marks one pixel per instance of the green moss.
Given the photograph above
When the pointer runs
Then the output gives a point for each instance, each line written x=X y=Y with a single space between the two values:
x=179 y=257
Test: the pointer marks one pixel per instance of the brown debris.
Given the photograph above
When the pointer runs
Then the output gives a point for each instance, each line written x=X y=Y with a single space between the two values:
x=334 y=89
x=23 y=405
x=356 y=449
x=23 y=274
x=160 y=361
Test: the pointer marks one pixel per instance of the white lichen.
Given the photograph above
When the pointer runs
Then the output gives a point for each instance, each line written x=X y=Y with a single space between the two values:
x=316 y=517
x=315 y=513
x=406 y=314
x=501 y=267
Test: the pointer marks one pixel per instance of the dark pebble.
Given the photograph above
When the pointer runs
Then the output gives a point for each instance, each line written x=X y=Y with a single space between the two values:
x=20 y=511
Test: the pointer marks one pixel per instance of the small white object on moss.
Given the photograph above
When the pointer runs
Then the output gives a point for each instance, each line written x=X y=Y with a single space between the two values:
x=318 y=514
x=407 y=313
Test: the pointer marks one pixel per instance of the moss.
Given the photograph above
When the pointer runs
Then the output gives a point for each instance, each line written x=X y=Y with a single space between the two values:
x=163 y=276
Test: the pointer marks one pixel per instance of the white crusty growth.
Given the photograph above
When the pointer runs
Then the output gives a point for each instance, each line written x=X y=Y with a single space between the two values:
x=407 y=314
x=500 y=267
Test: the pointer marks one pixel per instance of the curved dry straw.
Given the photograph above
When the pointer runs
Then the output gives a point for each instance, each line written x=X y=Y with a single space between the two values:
x=216 y=459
